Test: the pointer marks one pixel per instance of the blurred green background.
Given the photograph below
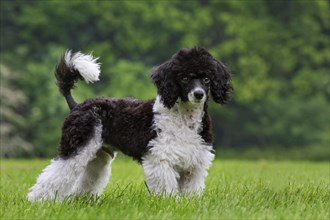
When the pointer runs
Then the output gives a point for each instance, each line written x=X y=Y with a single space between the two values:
x=278 y=51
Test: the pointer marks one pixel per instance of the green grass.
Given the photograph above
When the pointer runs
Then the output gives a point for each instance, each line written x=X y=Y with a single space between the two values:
x=234 y=190
x=308 y=153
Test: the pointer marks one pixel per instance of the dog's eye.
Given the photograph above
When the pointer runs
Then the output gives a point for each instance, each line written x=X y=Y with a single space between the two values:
x=206 y=80
x=185 y=80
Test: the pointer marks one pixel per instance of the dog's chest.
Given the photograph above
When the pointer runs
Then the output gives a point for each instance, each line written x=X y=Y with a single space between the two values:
x=178 y=140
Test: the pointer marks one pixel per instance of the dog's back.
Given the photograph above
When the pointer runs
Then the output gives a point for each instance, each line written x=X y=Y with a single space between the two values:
x=126 y=125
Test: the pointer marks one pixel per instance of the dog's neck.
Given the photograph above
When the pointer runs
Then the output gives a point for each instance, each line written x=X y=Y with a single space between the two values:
x=190 y=114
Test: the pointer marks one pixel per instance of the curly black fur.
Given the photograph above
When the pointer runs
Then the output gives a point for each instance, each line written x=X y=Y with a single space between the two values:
x=126 y=125
x=206 y=132
x=220 y=83
x=198 y=61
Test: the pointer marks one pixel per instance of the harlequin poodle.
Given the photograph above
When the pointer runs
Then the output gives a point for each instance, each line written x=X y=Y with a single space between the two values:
x=170 y=136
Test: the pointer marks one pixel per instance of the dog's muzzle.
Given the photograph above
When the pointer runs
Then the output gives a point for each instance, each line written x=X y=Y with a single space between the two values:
x=197 y=96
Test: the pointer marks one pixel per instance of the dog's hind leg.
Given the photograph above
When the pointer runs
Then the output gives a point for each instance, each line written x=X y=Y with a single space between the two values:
x=97 y=174
x=57 y=180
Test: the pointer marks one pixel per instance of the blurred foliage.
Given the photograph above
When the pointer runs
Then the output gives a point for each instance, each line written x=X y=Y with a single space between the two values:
x=278 y=52
x=12 y=122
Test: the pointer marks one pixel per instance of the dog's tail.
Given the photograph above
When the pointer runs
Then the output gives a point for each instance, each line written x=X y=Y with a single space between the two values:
x=71 y=68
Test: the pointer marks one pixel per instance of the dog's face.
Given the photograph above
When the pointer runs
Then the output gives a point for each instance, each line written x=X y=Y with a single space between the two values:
x=193 y=87
x=191 y=74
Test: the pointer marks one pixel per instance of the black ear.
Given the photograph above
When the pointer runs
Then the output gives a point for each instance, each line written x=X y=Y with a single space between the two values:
x=167 y=88
x=220 y=84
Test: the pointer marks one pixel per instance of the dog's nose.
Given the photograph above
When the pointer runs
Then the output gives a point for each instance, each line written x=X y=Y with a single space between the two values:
x=199 y=94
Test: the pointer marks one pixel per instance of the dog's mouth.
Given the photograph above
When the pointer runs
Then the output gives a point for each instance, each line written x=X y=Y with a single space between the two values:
x=196 y=101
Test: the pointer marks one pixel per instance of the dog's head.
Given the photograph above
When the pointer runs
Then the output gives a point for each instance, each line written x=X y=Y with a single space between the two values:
x=190 y=75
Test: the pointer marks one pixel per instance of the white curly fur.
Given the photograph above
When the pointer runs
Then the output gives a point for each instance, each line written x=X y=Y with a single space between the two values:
x=179 y=159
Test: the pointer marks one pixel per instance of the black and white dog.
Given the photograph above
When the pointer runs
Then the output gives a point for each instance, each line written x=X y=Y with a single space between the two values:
x=170 y=136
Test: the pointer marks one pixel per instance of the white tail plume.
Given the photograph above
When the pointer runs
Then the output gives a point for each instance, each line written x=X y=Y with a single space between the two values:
x=86 y=65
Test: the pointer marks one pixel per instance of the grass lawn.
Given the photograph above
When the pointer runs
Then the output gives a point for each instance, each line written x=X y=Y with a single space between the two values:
x=234 y=190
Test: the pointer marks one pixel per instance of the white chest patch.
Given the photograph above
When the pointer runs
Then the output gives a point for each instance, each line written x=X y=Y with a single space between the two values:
x=178 y=142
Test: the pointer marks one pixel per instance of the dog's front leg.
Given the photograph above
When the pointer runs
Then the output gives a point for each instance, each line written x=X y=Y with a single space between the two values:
x=161 y=178
x=193 y=181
